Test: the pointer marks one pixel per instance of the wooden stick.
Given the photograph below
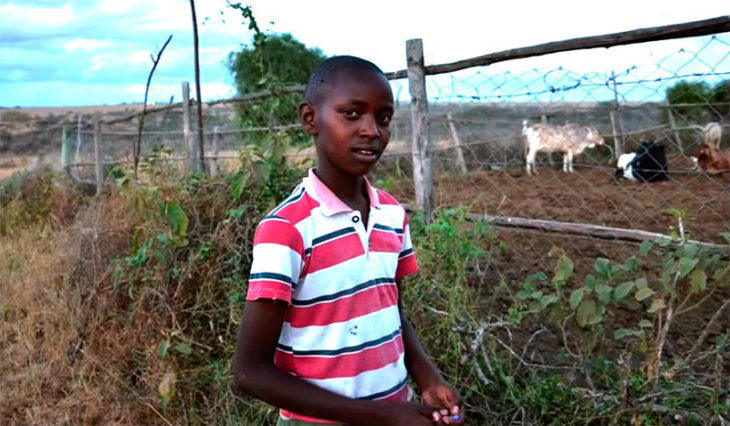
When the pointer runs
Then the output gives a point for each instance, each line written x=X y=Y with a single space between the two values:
x=136 y=148
x=616 y=122
x=673 y=124
x=720 y=24
x=297 y=88
x=457 y=143
x=595 y=231
x=97 y=156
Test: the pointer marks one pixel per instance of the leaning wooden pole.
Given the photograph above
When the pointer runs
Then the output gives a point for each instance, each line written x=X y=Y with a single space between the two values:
x=136 y=149
x=673 y=125
x=587 y=230
x=720 y=24
x=97 y=156
x=422 y=176
x=201 y=141
x=618 y=142
x=457 y=143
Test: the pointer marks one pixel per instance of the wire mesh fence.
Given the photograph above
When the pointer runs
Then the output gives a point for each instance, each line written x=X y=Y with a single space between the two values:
x=477 y=129
x=667 y=92
x=478 y=147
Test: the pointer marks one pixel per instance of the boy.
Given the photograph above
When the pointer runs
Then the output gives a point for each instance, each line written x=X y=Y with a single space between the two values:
x=323 y=336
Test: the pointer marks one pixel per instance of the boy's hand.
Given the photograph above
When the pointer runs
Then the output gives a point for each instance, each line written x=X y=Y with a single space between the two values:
x=446 y=399
x=406 y=413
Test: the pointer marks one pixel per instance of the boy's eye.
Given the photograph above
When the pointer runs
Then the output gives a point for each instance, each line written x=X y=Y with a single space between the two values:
x=351 y=113
x=385 y=119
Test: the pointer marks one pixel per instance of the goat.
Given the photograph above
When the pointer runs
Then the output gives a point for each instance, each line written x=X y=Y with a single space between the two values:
x=570 y=139
x=647 y=164
x=713 y=134
x=711 y=159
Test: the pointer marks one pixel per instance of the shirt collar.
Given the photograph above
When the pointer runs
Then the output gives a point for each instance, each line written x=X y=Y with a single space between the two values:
x=329 y=202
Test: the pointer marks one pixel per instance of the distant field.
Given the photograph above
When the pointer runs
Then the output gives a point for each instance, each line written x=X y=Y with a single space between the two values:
x=64 y=110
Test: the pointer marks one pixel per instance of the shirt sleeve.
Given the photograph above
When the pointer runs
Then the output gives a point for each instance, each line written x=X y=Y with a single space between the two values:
x=278 y=252
x=407 y=263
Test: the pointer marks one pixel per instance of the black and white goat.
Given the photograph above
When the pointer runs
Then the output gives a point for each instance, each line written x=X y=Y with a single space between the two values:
x=647 y=164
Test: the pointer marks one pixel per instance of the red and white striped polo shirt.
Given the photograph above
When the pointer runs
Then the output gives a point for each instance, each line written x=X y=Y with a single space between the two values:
x=342 y=330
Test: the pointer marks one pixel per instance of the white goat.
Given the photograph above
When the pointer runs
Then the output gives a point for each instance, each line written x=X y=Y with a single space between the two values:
x=713 y=134
x=570 y=139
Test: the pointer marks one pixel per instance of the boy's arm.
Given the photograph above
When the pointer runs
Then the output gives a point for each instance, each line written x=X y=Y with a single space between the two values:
x=434 y=389
x=256 y=375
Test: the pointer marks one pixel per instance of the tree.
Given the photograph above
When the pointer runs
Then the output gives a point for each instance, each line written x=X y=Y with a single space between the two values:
x=691 y=101
x=278 y=60
x=721 y=100
x=273 y=61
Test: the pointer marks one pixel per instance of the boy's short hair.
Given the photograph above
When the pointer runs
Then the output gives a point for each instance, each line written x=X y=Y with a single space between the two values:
x=327 y=71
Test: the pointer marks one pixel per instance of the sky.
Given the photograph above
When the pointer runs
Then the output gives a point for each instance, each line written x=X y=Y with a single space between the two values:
x=97 y=52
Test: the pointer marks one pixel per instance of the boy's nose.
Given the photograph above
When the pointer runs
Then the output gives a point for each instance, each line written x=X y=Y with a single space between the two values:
x=369 y=128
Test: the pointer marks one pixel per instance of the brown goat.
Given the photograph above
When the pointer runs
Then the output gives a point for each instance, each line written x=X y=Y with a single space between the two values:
x=712 y=160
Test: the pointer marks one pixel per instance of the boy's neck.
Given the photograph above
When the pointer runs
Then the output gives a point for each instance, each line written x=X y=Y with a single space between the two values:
x=349 y=189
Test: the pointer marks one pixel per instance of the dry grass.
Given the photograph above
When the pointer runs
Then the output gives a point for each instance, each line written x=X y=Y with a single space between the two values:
x=62 y=347
x=80 y=343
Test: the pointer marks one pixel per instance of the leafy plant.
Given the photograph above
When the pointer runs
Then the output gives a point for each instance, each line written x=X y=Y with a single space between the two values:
x=273 y=61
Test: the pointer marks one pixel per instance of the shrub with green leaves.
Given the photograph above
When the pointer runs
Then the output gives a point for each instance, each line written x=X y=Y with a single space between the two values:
x=632 y=308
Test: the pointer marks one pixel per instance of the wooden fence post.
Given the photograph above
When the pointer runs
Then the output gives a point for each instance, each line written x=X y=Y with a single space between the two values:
x=614 y=130
x=457 y=143
x=618 y=128
x=97 y=155
x=78 y=140
x=422 y=174
x=193 y=164
x=66 y=152
x=544 y=120
x=673 y=125
x=214 y=153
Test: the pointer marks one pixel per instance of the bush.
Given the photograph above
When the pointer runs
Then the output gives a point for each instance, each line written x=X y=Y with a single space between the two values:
x=144 y=291
x=274 y=61
x=14 y=116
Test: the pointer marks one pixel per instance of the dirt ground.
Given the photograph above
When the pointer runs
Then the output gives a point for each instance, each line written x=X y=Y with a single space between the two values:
x=589 y=196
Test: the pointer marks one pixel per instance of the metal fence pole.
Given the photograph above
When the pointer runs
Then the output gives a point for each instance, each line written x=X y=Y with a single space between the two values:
x=422 y=174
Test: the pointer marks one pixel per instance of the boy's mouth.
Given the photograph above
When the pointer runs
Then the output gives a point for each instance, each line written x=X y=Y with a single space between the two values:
x=365 y=154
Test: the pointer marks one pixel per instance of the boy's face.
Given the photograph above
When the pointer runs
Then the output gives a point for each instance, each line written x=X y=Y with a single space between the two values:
x=350 y=123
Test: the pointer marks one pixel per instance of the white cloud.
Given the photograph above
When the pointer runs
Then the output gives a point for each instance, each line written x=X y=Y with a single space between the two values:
x=115 y=7
x=99 y=61
x=32 y=16
x=108 y=42
x=85 y=44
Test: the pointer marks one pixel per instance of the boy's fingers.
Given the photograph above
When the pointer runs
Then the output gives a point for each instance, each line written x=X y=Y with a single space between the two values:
x=436 y=416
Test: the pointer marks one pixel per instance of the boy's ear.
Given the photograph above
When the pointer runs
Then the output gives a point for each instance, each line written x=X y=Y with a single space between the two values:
x=306 y=117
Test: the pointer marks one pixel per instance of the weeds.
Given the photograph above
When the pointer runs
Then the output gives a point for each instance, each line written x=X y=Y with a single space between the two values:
x=125 y=309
